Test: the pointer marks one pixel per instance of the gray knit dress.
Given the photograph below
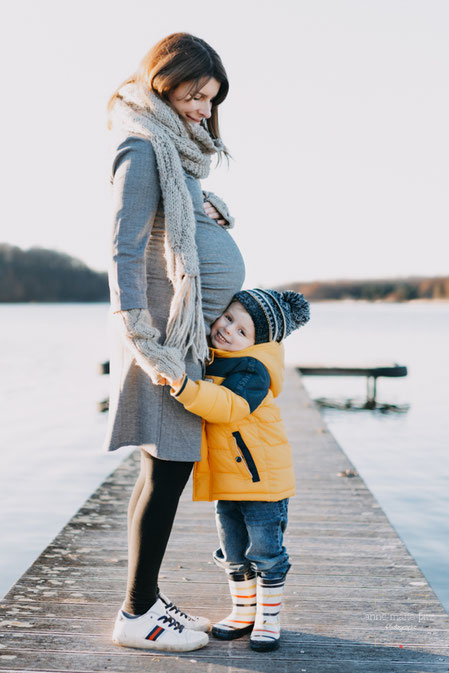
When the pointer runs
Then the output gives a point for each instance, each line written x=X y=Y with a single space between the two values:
x=140 y=413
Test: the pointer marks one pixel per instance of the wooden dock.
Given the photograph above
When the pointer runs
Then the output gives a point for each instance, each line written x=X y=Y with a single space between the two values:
x=355 y=599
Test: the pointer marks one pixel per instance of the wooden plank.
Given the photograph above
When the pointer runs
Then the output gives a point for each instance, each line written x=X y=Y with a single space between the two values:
x=38 y=584
x=355 y=598
x=424 y=626
x=126 y=663
x=95 y=654
x=89 y=664
x=75 y=571
x=307 y=610
x=347 y=640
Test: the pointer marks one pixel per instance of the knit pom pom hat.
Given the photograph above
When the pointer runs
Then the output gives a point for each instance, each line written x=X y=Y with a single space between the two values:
x=275 y=314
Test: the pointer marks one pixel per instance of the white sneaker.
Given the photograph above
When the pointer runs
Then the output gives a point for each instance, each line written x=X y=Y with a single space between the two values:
x=156 y=630
x=190 y=622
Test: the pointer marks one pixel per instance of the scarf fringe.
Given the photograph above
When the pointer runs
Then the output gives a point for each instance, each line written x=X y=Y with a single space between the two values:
x=185 y=327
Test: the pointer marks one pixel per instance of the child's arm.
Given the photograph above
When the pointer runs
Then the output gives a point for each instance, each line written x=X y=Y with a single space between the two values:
x=237 y=397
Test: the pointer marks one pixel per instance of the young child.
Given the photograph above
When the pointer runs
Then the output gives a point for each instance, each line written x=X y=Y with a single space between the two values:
x=246 y=463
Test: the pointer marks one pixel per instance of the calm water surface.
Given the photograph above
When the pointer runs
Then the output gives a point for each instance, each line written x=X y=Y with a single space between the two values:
x=50 y=447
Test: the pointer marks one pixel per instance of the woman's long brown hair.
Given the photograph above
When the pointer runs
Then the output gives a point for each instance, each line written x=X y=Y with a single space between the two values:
x=178 y=58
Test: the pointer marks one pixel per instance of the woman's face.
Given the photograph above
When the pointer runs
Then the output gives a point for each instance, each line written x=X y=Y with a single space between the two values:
x=194 y=108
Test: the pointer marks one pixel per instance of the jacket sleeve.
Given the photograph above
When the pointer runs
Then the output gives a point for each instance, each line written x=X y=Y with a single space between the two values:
x=236 y=398
x=136 y=193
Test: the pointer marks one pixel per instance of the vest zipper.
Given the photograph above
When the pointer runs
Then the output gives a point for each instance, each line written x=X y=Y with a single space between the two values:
x=246 y=456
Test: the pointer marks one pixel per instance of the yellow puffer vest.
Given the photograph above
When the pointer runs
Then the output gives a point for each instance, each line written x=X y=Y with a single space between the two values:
x=245 y=450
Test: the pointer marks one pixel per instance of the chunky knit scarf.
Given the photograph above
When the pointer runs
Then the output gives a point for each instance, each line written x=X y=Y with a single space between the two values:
x=137 y=111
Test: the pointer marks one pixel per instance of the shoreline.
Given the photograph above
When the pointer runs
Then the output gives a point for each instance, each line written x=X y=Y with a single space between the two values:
x=347 y=300
x=379 y=301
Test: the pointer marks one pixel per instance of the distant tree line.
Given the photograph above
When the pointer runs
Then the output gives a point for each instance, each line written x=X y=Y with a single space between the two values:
x=398 y=289
x=44 y=275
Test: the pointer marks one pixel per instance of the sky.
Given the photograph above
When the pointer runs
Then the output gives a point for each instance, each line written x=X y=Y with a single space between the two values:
x=337 y=122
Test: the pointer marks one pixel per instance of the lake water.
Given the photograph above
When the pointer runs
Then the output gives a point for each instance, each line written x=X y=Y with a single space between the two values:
x=51 y=431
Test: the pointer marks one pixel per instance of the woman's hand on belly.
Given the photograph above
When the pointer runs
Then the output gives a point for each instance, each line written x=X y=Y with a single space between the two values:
x=213 y=213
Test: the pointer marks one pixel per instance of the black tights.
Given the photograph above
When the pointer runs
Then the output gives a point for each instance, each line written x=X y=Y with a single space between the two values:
x=151 y=513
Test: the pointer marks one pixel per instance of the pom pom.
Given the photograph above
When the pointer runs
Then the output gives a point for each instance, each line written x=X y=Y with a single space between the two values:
x=299 y=312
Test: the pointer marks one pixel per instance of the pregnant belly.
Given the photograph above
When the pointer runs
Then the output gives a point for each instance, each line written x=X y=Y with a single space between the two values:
x=221 y=266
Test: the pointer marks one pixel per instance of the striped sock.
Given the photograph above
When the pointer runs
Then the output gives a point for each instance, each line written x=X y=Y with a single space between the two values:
x=241 y=619
x=267 y=627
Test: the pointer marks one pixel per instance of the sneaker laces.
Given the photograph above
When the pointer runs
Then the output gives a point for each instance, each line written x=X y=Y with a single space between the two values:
x=171 y=607
x=177 y=626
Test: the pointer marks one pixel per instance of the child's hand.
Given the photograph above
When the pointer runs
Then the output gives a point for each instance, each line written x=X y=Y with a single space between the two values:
x=174 y=383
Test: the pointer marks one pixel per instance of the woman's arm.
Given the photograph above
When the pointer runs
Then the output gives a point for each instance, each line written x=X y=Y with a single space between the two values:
x=136 y=196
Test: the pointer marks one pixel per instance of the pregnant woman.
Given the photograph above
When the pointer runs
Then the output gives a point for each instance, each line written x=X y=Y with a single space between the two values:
x=174 y=269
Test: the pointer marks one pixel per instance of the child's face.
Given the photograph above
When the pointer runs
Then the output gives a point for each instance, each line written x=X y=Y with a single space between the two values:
x=234 y=330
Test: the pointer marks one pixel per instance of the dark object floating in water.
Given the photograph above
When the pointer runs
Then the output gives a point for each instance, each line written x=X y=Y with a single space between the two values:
x=371 y=373
x=103 y=405
x=348 y=473
x=103 y=368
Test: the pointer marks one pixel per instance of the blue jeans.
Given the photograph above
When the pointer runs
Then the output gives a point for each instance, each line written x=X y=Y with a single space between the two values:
x=251 y=537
